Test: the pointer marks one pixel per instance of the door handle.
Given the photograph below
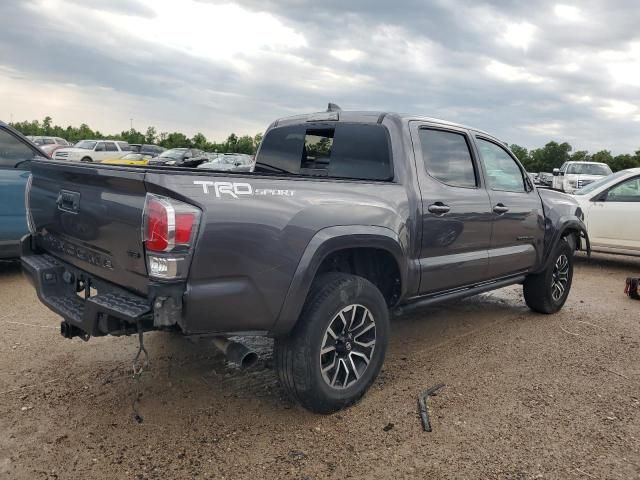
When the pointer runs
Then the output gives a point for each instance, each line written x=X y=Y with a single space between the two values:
x=500 y=209
x=439 y=208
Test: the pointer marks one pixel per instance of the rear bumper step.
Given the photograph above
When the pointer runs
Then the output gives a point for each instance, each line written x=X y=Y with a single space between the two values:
x=111 y=311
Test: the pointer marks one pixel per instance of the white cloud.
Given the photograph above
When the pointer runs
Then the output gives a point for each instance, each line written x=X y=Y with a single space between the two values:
x=509 y=73
x=618 y=108
x=568 y=12
x=519 y=35
x=346 y=55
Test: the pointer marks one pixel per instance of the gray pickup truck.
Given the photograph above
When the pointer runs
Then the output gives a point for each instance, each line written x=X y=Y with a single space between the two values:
x=348 y=218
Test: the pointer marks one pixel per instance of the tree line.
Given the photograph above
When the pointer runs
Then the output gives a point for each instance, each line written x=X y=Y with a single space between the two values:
x=233 y=144
x=543 y=159
x=554 y=154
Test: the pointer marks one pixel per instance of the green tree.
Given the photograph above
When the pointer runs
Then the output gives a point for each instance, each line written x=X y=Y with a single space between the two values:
x=245 y=145
x=551 y=156
x=46 y=125
x=522 y=154
x=200 y=141
x=257 y=140
x=603 y=156
x=580 y=156
x=150 y=136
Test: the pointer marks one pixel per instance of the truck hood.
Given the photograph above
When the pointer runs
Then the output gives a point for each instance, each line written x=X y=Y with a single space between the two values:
x=580 y=176
x=73 y=150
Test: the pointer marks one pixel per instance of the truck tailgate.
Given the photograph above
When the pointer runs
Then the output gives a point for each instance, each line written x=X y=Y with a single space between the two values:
x=91 y=216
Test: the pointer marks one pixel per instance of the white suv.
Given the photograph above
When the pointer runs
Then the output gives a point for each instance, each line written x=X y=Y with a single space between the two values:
x=93 y=151
x=572 y=176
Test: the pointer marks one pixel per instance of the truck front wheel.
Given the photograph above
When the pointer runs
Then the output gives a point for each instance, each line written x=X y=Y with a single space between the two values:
x=547 y=291
x=336 y=350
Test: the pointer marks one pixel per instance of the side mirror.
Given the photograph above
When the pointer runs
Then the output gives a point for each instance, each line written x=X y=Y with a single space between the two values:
x=556 y=172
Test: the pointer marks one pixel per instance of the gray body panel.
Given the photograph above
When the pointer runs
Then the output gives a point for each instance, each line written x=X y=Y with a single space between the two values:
x=256 y=254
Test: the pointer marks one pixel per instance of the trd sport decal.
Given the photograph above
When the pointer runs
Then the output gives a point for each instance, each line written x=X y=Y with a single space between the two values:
x=237 y=189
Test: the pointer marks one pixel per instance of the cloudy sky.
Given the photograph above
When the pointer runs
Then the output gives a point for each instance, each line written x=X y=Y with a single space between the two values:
x=525 y=71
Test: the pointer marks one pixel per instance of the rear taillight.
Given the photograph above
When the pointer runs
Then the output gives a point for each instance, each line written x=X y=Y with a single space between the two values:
x=170 y=228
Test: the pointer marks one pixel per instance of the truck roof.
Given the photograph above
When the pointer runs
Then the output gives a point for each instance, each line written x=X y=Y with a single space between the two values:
x=366 y=116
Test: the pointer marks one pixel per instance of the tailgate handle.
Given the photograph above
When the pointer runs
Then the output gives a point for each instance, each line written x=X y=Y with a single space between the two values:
x=68 y=201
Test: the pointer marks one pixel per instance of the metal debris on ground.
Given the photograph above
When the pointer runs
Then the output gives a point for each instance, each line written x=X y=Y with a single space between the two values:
x=631 y=288
x=139 y=366
x=423 y=408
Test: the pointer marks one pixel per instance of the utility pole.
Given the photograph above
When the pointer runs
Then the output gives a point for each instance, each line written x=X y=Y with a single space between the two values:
x=11 y=116
x=131 y=120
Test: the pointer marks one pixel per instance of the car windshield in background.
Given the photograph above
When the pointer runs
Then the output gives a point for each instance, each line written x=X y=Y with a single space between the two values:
x=232 y=160
x=135 y=156
x=356 y=151
x=598 y=183
x=85 y=144
x=588 y=169
x=175 y=153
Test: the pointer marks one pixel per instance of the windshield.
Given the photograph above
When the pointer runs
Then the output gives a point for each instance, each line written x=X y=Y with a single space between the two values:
x=133 y=156
x=86 y=144
x=598 y=183
x=588 y=169
x=175 y=153
x=231 y=160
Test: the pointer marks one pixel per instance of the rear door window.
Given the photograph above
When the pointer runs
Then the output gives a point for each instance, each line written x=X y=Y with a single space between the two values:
x=353 y=151
x=110 y=147
x=447 y=157
x=12 y=150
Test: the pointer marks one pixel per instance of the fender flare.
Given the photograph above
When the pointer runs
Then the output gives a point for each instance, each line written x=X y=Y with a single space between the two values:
x=564 y=225
x=324 y=243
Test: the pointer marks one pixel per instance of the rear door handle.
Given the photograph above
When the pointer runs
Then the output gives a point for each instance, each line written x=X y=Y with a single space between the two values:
x=500 y=209
x=439 y=208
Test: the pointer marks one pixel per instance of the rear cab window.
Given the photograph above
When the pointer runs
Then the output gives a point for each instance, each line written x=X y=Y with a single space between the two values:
x=338 y=150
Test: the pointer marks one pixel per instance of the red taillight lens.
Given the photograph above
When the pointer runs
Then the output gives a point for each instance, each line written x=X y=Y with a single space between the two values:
x=169 y=224
x=157 y=225
x=184 y=227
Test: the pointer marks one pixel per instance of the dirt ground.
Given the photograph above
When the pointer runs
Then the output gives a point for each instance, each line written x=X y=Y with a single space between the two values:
x=527 y=396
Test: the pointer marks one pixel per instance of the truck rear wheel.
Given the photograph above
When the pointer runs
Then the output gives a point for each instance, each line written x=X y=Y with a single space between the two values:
x=547 y=291
x=336 y=350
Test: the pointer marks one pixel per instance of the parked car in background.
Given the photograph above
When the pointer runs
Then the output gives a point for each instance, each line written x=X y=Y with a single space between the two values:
x=49 y=144
x=611 y=209
x=573 y=176
x=93 y=151
x=130 y=158
x=545 y=179
x=180 y=157
x=230 y=162
x=153 y=150
x=16 y=153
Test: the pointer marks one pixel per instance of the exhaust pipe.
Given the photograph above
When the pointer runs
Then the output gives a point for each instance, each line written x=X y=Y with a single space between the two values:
x=235 y=352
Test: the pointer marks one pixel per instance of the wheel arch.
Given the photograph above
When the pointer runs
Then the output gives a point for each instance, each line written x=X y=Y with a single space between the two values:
x=326 y=245
x=564 y=226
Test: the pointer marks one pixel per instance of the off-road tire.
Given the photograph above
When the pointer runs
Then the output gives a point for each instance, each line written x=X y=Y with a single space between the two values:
x=297 y=355
x=538 y=288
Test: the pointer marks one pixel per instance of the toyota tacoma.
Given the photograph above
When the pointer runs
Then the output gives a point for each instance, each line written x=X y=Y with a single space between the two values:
x=349 y=218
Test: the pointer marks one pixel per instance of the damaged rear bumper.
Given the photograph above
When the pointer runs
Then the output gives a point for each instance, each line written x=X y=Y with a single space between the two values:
x=88 y=305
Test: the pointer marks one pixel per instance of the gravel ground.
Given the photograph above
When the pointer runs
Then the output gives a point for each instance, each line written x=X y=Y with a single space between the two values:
x=527 y=396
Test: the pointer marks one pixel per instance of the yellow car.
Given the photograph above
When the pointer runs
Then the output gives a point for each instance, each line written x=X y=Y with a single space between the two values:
x=130 y=159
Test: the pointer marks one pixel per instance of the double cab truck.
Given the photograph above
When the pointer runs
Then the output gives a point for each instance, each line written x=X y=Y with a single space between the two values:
x=347 y=219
